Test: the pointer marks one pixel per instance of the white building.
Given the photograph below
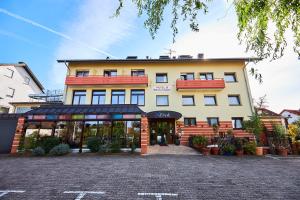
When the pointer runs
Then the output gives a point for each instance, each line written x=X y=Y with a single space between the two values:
x=17 y=81
x=290 y=115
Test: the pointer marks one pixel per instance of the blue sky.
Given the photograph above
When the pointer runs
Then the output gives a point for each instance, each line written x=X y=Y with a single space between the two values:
x=84 y=29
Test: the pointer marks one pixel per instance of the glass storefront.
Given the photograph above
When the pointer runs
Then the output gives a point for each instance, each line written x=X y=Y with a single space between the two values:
x=72 y=132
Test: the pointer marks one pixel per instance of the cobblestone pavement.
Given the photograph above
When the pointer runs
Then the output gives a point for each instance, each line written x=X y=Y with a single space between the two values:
x=124 y=177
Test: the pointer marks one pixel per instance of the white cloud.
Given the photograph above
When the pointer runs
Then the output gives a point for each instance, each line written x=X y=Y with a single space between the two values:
x=93 y=25
x=281 y=80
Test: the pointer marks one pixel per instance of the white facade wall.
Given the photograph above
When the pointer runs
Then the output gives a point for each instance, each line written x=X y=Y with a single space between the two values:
x=290 y=117
x=16 y=83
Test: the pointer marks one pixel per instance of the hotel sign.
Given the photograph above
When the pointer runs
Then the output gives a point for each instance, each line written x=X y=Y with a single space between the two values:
x=163 y=88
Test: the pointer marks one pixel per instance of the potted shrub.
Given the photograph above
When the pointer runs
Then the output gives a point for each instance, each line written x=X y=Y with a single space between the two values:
x=228 y=149
x=281 y=142
x=238 y=143
x=199 y=142
x=94 y=143
x=254 y=125
x=250 y=148
x=215 y=147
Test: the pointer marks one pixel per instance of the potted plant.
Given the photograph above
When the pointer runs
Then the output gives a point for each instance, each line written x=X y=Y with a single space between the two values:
x=281 y=142
x=239 y=143
x=254 y=125
x=228 y=149
x=199 y=142
x=250 y=148
x=215 y=147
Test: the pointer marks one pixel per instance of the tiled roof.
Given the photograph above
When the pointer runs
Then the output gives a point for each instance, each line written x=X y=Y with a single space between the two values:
x=266 y=112
x=86 y=109
x=296 y=112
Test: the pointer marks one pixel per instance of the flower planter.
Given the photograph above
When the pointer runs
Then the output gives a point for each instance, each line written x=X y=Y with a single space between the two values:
x=215 y=150
x=283 y=152
x=239 y=152
x=227 y=153
x=198 y=147
x=259 y=151
x=205 y=151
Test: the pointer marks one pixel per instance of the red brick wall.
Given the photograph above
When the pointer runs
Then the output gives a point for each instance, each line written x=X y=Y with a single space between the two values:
x=144 y=135
x=18 y=135
x=202 y=128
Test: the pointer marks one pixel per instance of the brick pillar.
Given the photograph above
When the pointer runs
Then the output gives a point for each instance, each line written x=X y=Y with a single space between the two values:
x=18 y=135
x=144 y=135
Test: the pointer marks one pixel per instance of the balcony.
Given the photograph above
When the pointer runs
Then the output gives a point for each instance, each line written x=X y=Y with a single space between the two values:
x=215 y=84
x=107 y=80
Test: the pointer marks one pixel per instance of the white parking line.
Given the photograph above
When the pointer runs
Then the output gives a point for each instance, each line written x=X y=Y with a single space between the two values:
x=4 y=192
x=81 y=194
x=158 y=195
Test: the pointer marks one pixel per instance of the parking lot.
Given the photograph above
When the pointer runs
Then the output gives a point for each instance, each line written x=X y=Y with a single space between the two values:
x=149 y=177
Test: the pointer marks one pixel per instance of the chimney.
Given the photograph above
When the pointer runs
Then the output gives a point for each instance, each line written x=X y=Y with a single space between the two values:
x=200 y=56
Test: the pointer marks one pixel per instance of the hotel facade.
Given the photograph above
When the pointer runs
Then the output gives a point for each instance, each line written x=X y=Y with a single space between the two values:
x=145 y=101
x=180 y=96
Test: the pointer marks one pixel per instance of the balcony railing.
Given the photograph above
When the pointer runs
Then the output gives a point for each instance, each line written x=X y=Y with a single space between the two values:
x=200 y=84
x=107 y=80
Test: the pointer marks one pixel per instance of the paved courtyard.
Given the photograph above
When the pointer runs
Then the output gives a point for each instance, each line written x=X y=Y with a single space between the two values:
x=149 y=177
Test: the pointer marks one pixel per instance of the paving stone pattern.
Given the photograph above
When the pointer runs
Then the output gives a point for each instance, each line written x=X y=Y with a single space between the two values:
x=123 y=177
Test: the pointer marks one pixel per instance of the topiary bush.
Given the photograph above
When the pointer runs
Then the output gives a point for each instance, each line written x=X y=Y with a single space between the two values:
x=38 y=151
x=250 y=148
x=48 y=142
x=60 y=150
x=94 y=143
x=228 y=149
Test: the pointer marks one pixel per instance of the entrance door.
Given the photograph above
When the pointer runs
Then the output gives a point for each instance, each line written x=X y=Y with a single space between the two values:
x=162 y=132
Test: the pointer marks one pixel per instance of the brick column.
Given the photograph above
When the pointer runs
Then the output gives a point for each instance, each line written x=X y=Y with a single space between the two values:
x=144 y=135
x=18 y=135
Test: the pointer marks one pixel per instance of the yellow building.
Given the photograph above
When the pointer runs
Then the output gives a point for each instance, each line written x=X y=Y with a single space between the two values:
x=181 y=96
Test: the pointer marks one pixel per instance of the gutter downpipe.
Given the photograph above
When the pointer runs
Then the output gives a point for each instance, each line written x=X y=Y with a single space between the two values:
x=248 y=87
x=66 y=86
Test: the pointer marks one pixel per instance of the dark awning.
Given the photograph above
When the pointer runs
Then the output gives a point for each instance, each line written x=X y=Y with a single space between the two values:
x=85 y=109
x=164 y=114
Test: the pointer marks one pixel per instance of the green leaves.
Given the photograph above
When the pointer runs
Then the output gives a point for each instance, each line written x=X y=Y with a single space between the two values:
x=262 y=23
x=258 y=18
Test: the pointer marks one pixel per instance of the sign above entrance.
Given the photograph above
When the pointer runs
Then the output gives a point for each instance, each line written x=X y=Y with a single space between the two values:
x=164 y=114
x=162 y=88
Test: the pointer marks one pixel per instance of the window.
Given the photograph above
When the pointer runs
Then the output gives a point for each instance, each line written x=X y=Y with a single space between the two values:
x=206 y=76
x=4 y=110
x=162 y=100
x=237 y=122
x=137 y=72
x=26 y=80
x=138 y=97
x=187 y=76
x=98 y=97
x=22 y=109
x=210 y=100
x=162 y=78
x=118 y=97
x=10 y=92
x=190 y=121
x=188 y=101
x=213 y=121
x=234 y=100
x=10 y=73
x=230 y=77
x=82 y=73
x=110 y=72
x=79 y=97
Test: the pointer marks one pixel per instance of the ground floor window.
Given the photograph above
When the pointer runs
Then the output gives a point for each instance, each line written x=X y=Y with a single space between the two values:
x=190 y=121
x=237 y=122
x=75 y=133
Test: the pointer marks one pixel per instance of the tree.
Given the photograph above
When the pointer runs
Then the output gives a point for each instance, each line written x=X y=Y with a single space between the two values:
x=262 y=102
x=255 y=17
